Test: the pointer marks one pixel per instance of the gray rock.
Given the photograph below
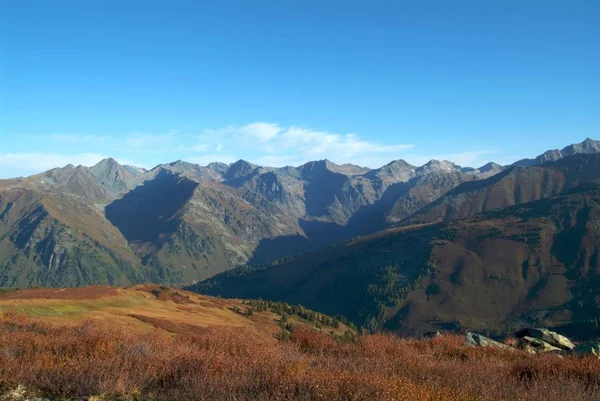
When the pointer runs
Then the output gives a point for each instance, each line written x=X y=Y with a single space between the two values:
x=477 y=340
x=536 y=345
x=550 y=337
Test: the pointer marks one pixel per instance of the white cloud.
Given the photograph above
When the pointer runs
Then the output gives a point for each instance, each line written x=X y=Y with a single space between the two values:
x=271 y=144
x=259 y=131
x=263 y=143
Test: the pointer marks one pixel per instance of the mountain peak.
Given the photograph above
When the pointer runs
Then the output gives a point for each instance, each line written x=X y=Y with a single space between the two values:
x=317 y=163
x=241 y=163
x=238 y=169
x=587 y=146
x=109 y=161
x=394 y=171
x=327 y=165
x=395 y=165
x=181 y=163
x=491 y=166
x=437 y=165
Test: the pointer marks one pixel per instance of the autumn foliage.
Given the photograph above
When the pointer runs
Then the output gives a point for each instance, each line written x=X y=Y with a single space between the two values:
x=234 y=364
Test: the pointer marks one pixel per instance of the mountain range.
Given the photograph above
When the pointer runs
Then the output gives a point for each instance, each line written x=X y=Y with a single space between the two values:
x=396 y=247
x=536 y=263
x=180 y=222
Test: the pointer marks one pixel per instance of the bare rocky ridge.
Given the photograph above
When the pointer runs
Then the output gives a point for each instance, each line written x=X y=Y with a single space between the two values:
x=589 y=146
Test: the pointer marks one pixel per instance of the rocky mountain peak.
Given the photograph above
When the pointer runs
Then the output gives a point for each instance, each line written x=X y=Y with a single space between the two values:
x=396 y=171
x=240 y=168
x=587 y=146
x=328 y=165
x=218 y=167
x=489 y=167
x=437 y=166
x=318 y=165
x=549 y=156
x=108 y=161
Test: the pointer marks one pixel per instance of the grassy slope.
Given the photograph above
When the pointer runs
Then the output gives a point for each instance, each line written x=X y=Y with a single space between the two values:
x=142 y=308
x=57 y=240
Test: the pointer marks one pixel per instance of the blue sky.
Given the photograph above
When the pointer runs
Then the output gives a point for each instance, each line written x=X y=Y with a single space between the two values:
x=282 y=82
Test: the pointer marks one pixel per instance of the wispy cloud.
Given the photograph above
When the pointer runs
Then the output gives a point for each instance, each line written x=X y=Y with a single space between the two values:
x=264 y=143
x=271 y=144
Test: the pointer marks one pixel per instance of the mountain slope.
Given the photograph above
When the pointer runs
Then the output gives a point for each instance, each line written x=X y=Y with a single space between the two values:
x=511 y=187
x=53 y=240
x=537 y=263
x=191 y=230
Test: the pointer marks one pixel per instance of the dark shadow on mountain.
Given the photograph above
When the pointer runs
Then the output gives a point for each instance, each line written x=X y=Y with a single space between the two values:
x=318 y=235
x=148 y=213
x=324 y=233
x=371 y=218
x=27 y=227
x=269 y=250
x=321 y=189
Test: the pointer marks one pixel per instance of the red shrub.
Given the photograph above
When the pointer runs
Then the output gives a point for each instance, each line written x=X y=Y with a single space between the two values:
x=232 y=363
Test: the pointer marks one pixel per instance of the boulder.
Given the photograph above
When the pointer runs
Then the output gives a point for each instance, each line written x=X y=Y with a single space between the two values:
x=534 y=345
x=477 y=340
x=550 y=337
x=591 y=348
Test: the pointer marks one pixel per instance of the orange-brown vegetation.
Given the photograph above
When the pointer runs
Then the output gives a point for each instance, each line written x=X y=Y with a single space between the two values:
x=76 y=293
x=233 y=363
x=144 y=308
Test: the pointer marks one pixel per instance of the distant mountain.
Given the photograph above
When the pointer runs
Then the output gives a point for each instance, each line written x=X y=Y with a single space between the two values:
x=589 y=146
x=179 y=223
x=513 y=186
x=533 y=264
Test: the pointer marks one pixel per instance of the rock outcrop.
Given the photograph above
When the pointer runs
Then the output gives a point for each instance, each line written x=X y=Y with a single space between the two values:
x=535 y=345
x=547 y=336
x=537 y=340
x=477 y=340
